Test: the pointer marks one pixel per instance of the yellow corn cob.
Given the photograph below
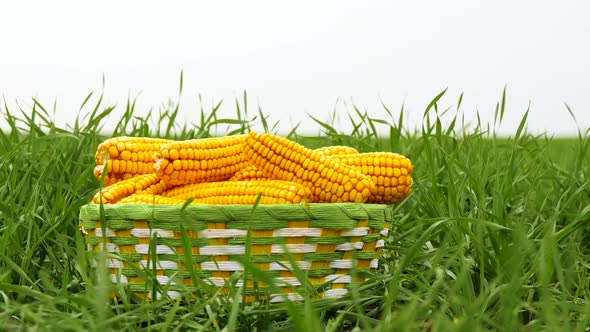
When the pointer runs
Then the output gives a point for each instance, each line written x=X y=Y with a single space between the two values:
x=242 y=192
x=112 y=194
x=126 y=157
x=328 y=179
x=337 y=150
x=390 y=172
x=254 y=173
x=201 y=160
x=138 y=198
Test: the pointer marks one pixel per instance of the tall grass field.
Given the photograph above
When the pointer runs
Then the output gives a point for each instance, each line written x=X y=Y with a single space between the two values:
x=495 y=235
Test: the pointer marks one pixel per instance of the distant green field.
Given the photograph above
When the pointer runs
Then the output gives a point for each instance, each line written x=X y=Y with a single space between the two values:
x=495 y=235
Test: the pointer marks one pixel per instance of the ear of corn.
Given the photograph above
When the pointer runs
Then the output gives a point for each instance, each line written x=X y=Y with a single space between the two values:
x=126 y=157
x=113 y=193
x=254 y=173
x=390 y=172
x=242 y=192
x=328 y=179
x=201 y=160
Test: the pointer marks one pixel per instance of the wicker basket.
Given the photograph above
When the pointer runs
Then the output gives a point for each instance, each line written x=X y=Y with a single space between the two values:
x=327 y=242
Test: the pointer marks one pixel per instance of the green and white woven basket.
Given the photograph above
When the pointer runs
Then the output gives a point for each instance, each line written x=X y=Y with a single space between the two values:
x=327 y=241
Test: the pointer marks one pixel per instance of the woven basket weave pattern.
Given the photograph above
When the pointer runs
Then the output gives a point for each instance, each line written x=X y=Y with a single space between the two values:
x=325 y=240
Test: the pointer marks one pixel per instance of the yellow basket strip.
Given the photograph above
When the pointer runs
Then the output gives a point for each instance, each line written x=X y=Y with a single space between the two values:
x=218 y=258
x=296 y=256
x=324 y=248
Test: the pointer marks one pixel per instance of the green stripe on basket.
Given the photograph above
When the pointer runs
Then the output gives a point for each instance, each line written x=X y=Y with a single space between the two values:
x=362 y=272
x=326 y=240
x=272 y=274
x=181 y=259
x=128 y=272
x=124 y=240
x=120 y=224
x=92 y=240
x=116 y=224
x=141 y=288
x=118 y=240
x=320 y=273
x=363 y=255
x=183 y=274
x=265 y=258
x=280 y=240
x=371 y=237
x=130 y=257
x=88 y=225
x=325 y=257
x=195 y=242
x=378 y=224
x=260 y=291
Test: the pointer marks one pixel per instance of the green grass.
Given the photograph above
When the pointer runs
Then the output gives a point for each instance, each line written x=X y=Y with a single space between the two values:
x=494 y=237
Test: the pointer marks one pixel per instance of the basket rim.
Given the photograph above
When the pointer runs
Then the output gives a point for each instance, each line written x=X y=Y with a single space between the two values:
x=232 y=213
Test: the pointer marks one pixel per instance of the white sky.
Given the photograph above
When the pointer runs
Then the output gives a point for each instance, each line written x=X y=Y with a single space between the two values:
x=304 y=57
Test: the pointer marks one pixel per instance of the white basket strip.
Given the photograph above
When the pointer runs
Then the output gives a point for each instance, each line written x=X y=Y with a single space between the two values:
x=160 y=249
x=331 y=293
x=380 y=244
x=282 y=297
x=110 y=263
x=145 y=233
x=223 y=250
x=374 y=264
x=109 y=232
x=384 y=232
x=114 y=264
x=349 y=246
x=347 y=263
x=339 y=278
x=222 y=266
x=110 y=247
x=171 y=294
x=121 y=279
x=360 y=231
x=222 y=233
x=165 y=280
x=297 y=232
x=341 y=264
x=288 y=281
x=293 y=248
x=285 y=266
x=160 y=265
